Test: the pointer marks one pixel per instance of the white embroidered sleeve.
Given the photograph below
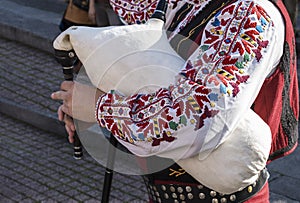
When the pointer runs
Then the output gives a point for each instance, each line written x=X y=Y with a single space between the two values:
x=239 y=48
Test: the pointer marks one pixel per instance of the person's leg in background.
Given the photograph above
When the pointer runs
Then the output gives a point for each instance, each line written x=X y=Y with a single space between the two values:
x=292 y=7
x=105 y=16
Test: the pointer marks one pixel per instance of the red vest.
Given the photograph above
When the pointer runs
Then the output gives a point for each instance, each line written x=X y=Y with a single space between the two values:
x=277 y=103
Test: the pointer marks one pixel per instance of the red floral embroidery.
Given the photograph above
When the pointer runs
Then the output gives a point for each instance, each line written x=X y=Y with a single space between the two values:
x=134 y=12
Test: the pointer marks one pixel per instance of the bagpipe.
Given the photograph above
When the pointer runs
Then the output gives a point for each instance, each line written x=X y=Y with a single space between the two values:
x=139 y=59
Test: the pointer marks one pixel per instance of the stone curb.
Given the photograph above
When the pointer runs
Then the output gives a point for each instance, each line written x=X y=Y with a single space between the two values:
x=30 y=26
x=26 y=37
x=36 y=28
x=37 y=119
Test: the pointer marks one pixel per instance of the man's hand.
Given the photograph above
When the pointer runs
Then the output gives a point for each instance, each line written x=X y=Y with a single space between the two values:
x=78 y=101
x=65 y=95
x=69 y=124
x=64 y=111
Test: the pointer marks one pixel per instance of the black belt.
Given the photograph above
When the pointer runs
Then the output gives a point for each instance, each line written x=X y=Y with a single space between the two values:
x=197 y=193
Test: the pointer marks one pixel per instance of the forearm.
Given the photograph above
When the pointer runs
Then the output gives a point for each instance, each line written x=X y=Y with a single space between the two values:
x=84 y=101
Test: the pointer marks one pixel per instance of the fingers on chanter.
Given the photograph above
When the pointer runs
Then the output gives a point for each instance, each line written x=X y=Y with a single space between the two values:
x=66 y=85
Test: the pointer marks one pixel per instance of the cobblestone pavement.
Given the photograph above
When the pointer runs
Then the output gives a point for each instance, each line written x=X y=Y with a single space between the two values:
x=28 y=76
x=37 y=166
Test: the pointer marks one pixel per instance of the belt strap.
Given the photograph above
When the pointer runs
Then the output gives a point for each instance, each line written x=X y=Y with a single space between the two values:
x=175 y=193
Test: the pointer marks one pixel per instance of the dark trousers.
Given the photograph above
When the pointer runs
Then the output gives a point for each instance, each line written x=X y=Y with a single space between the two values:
x=292 y=7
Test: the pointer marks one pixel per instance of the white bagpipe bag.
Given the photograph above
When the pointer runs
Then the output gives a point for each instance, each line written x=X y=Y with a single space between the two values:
x=139 y=58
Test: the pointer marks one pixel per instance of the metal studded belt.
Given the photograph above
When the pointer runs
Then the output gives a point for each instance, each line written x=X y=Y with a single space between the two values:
x=184 y=193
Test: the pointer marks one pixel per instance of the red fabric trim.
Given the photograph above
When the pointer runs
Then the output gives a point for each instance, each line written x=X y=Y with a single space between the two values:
x=268 y=105
x=285 y=154
x=262 y=196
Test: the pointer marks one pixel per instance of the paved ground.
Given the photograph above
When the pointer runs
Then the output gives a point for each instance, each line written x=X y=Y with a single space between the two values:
x=37 y=166
x=36 y=163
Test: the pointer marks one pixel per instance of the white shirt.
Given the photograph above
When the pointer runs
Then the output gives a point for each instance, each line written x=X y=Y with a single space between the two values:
x=239 y=49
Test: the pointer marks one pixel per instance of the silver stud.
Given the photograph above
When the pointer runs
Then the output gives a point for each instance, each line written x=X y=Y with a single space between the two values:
x=166 y=196
x=174 y=195
x=71 y=54
x=176 y=201
x=232 y=198
x=223 y=200
x=182 y=197
x=213 y=193
x=154 y=188
x=201 y=195
x=157 y=194
x=172 y=189
x=163 y=187
x=214 y=200
x=190 y=196
x=159 y=200
x=188 y=188
x=200 y=187
x=180 y=189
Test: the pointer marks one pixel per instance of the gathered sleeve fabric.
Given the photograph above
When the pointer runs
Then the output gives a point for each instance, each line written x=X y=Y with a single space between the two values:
x=240 y=46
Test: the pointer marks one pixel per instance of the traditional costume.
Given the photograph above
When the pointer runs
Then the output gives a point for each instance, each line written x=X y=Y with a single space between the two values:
x=233 y=105
x=245 y=61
